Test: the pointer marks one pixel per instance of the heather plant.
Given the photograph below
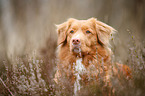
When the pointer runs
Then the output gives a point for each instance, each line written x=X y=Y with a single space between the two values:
x=24 y=78
x=136 y=61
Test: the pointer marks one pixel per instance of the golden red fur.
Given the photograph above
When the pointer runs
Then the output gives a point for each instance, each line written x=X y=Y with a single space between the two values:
x=88 y=40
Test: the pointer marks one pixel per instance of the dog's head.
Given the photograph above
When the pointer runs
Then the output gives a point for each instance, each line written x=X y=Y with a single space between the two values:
x=83 y=35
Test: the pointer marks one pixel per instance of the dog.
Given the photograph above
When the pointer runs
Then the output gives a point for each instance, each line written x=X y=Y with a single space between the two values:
x=83 y=52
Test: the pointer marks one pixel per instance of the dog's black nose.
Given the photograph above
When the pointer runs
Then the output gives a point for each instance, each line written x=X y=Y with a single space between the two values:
x=76 y=41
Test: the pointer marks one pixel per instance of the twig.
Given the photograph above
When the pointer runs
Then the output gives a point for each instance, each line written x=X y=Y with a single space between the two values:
x=6 y=87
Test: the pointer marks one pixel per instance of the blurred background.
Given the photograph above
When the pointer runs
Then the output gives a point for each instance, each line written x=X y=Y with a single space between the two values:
x=27 y=27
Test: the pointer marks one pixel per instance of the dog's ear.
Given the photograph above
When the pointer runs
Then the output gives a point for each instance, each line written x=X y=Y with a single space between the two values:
x=103 y=30
x=62 y=30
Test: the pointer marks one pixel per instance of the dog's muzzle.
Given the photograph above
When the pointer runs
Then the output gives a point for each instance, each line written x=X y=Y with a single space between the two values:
x=76 y=45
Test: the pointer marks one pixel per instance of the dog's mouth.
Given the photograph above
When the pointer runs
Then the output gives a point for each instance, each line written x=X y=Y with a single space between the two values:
x=76 y=49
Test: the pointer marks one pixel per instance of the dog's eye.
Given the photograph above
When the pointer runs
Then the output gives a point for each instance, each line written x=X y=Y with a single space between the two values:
x=88 y=32
x=71 y=31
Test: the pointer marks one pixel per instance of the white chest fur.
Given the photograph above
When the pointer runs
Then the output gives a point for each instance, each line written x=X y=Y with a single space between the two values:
x=79 y=69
